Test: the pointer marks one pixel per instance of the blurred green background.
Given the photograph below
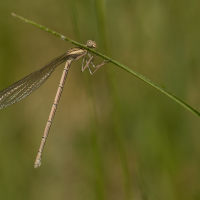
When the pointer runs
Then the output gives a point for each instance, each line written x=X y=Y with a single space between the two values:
x=113 y=136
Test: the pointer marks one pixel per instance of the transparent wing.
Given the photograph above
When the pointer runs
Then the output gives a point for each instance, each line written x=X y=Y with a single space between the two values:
x=29 y=84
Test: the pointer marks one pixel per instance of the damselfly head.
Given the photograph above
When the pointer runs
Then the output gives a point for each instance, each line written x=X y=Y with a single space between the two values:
x=91 y=44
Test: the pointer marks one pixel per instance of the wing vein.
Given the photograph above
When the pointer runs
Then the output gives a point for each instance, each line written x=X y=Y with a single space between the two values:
x=30 y=83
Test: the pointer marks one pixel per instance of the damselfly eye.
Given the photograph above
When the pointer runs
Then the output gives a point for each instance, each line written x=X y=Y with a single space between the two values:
x=91 y=44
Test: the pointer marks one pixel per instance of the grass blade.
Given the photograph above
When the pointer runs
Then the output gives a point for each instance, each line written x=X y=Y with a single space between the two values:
x=143 y=78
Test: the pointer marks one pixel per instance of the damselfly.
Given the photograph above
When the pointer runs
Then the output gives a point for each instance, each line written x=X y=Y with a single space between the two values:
x=30 y=83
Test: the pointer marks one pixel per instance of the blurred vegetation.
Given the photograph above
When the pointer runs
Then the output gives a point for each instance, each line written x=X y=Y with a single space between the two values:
x=113 y=137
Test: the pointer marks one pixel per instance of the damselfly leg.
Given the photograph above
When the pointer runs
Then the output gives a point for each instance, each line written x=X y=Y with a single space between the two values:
x=90 y=61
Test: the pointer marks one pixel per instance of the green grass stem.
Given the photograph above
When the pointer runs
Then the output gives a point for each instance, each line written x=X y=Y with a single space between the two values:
x=143 y=78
